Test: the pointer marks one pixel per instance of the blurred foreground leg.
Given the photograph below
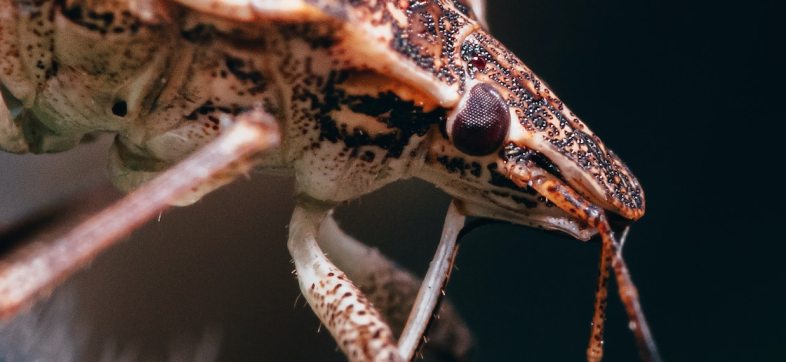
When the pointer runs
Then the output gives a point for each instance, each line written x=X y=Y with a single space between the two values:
x=33 y=268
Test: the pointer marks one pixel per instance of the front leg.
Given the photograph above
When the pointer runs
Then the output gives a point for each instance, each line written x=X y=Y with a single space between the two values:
x=35 y=267
x=356 y=326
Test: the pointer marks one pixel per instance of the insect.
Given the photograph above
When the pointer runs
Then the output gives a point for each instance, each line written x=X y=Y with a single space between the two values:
x=348 y=96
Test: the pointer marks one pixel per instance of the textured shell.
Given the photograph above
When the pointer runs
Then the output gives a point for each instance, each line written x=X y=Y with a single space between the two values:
x=416 y=42
x=331 y=70
x=427 y=45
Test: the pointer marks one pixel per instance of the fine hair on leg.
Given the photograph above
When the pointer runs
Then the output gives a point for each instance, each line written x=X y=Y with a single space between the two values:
x=393 y=289
x=358 y=328
x=432 y=288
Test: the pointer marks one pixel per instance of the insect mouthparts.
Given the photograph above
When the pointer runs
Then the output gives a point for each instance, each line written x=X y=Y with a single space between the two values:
x=521 y=155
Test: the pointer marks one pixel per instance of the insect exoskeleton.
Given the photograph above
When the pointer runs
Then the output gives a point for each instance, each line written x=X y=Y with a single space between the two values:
x=363 y=93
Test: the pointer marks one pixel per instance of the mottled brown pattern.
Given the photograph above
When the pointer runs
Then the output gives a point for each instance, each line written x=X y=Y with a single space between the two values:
x=438 y=37
x=356 y=323
x=540 y=111
x=364 y=92
x=392 y=290
x=426 y=34
x=441 y=38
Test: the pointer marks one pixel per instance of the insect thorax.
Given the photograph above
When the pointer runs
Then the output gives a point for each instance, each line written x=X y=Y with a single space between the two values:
x=168 y=87
x=348 y=130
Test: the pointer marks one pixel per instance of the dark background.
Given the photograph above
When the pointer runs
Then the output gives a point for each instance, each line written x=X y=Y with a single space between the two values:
x=687 y=93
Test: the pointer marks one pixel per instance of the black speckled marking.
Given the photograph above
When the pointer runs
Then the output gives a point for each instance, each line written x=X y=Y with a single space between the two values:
x=199 y=33
x=541 y=112
x=516 y=154
x=460 y=166
x=404 y=118
x=112 y=21
x=316 y=36
x=428 y=38
x=496 y=178
x=246 y=74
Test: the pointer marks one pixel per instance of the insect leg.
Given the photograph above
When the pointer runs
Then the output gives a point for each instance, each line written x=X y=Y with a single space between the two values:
x=567 y=199
x=342 y=307
x=595 y=347
x=393 y=291
x=433 y=283
x=36 y=267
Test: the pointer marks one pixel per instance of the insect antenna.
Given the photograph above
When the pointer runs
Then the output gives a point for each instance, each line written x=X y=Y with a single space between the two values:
x=629 y=294
x=595 y=348
x=624 y=237
x=567 y=199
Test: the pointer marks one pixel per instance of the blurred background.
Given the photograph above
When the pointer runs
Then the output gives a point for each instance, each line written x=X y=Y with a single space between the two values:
x=678 y=89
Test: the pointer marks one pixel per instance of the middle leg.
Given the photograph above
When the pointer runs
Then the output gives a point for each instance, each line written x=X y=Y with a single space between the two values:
x=393 y=291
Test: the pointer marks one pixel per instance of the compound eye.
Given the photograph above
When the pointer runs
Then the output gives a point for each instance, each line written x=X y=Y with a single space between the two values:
x=481 y=126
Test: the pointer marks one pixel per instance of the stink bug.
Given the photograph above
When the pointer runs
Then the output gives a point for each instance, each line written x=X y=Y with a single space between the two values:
x=347 y=96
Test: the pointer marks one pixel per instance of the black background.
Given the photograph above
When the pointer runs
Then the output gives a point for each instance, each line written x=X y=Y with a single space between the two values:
x=687 y=93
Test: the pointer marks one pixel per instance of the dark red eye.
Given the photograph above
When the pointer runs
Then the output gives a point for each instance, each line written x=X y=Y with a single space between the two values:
x=481 y=126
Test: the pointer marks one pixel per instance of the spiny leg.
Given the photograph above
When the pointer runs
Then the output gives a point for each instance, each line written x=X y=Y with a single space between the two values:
x=356 y=325
x=36 y=267
x=630 y=298
x=393 y=290
x=595 y=348
x=567 y=199
x=433 y=284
